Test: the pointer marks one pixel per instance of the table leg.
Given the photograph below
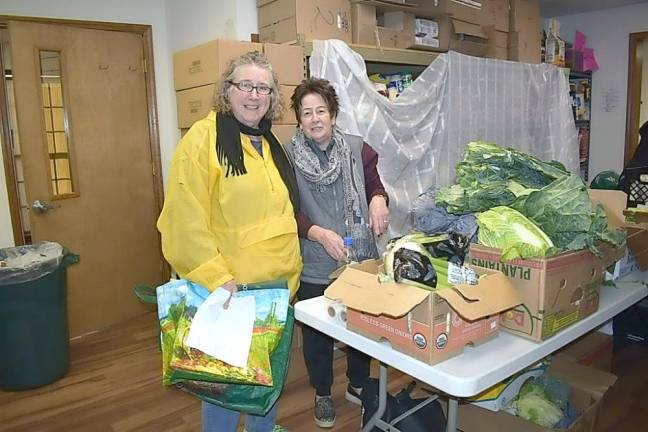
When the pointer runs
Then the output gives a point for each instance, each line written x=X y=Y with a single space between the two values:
x=382 y=399
x=453 y=406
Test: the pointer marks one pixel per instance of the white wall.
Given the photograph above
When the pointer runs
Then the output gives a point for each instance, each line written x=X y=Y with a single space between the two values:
x=176 y=24
x=608 y=32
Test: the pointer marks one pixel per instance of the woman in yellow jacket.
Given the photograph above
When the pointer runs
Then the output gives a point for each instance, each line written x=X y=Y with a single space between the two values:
x=228 y=216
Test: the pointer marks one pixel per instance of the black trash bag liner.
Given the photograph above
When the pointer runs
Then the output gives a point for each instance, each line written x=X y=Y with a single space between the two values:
x=455 y=248
x=423 y=259
x=412 y=266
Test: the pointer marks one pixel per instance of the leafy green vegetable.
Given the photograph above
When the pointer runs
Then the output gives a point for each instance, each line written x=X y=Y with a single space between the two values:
x=556 y=201
x=564 y=211
x=507 y=229
x=491 y=176
x=538 y=409
x=459 y=200
x=487 y=162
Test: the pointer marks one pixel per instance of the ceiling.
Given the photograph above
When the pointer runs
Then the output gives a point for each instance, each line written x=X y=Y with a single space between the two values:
x=552 y=8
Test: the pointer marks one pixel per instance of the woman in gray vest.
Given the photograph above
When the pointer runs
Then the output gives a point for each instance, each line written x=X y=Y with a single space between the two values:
x=341 y=195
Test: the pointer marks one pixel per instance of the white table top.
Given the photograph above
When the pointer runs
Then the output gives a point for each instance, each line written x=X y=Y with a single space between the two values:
x=477 y=368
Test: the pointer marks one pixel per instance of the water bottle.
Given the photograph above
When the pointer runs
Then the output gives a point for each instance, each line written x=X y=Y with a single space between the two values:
x=349 y=254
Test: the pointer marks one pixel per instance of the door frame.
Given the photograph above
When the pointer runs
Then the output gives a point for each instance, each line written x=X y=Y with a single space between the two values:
x=146 y=33
x=634 y=94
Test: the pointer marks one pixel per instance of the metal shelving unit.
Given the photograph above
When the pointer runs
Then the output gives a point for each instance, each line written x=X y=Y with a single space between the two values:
x=580 y=92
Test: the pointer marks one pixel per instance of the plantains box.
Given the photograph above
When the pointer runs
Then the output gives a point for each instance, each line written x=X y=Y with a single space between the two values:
x=429 y=326
x=556 y=291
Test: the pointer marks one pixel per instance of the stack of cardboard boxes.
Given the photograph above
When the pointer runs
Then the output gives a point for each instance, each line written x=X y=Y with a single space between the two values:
x=289 y=20
x=479 y=28
x=525 y=39
x=197 y=69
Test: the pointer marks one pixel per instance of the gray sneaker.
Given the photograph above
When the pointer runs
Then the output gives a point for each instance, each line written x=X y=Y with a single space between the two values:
x=324 y=411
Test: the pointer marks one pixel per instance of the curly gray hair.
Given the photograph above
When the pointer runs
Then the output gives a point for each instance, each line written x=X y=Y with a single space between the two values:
x=223 y=86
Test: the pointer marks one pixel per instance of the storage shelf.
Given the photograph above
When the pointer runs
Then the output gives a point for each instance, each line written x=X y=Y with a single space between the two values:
x=575 y=74
x=385 y=55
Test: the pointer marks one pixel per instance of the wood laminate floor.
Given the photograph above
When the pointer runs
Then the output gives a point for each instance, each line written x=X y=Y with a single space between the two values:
x=114 y=386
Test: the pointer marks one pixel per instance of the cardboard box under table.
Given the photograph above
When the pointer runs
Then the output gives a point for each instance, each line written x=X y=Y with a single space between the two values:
x=588 y=386
x=429 y=326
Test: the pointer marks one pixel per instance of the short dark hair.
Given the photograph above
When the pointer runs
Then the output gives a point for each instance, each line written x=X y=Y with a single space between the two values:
x=318 y=86
x=221 y=90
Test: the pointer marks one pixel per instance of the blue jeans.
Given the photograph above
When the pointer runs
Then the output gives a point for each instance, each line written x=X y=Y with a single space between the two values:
x=218 y=419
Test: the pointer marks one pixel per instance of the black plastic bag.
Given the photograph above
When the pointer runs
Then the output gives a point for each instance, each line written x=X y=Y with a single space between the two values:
x=429 y=418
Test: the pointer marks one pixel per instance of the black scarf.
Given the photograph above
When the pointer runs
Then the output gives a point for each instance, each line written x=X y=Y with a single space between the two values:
x=230 y=152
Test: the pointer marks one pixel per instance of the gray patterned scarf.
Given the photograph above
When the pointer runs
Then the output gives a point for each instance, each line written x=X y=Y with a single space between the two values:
x=339 y=162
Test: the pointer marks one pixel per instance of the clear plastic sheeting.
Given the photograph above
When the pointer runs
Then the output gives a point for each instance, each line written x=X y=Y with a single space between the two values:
x=457 y=99
x=25 y=263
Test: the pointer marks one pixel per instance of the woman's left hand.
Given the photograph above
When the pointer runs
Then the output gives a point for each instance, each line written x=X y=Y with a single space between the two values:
x=378 y=214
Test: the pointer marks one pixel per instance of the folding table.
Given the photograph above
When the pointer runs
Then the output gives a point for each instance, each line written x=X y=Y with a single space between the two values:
x=477 y=368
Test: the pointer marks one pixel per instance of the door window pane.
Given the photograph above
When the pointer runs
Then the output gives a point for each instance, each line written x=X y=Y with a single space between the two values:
x=57 y=127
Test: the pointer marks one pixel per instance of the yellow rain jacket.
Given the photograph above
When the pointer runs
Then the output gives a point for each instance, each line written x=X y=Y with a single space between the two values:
x=216 y=228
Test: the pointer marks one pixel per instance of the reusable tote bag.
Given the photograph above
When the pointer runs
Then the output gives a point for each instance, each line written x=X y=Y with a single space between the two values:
x=254 y=389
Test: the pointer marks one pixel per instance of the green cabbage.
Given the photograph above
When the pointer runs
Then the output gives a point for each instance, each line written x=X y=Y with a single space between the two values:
x=507 y=229
x=538 y=409
x=564 y=211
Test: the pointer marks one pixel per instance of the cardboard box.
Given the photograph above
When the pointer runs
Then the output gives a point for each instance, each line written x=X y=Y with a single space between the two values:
x=498 y=396
x=389 y=29
x=524 y=46
x=396 y=30
x=289 y=20
x=463 y=10
x=288 y=116
x=429 y=326
x=497 y=14
x=593 y=349
x=638 y=236
x=363 y=24
x=193 y=104
x=614 y=203
x=287 y=62
x=463 y=37
x=524 y=15
x=426 y=34
x=556 y=291
x=497 y=43
x=204 y=64
x=638 y=245
x=588 y=386
x=284 y=132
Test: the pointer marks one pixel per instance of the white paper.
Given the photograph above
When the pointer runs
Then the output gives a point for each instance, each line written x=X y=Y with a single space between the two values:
x=225 y=334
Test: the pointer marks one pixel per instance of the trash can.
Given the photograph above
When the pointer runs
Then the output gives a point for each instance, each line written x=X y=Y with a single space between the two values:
x=34 y=337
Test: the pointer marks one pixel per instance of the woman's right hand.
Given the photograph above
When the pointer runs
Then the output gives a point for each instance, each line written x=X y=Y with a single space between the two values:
x=330 y=240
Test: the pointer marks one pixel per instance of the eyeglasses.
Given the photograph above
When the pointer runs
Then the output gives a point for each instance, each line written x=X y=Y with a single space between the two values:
x=247 y=87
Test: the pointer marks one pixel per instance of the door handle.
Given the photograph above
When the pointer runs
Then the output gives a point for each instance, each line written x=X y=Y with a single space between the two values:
x=40 y=207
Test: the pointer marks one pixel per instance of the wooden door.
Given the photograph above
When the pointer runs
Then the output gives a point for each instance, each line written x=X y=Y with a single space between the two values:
x=82 y=118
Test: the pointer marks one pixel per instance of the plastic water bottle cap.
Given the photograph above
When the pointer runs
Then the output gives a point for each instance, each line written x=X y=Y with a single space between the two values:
x=348 y=241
